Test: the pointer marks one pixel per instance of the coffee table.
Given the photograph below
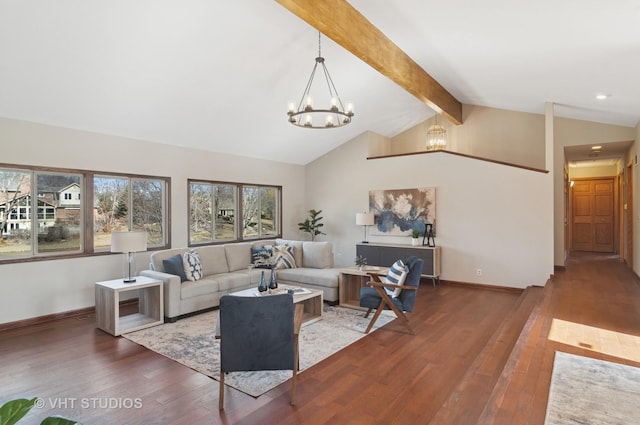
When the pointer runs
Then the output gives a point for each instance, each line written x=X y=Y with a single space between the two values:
x=311 y=299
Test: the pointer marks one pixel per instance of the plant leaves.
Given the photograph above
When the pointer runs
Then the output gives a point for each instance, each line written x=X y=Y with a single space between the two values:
x=57 y=420
x=12 y=411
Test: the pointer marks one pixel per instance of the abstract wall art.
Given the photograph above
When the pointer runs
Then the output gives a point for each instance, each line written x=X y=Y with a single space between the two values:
x=399 y=211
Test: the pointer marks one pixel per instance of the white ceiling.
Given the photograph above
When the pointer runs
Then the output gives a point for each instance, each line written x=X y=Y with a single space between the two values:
x=218 y=75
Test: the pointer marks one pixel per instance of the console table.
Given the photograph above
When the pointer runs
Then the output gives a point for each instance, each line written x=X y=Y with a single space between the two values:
x=150 y=305
x=384 y=255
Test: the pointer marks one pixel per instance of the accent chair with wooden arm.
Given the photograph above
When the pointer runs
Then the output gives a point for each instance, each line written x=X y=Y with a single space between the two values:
x=374 y=297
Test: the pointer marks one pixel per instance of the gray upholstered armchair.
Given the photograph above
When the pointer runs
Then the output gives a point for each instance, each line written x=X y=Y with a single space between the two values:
x=259 y=333
x=374 y=296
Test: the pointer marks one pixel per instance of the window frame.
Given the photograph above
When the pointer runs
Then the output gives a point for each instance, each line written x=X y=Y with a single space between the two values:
x=239 y=212
x=86 y=210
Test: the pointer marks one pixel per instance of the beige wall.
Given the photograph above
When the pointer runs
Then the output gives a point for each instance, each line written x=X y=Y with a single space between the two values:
x=40 y=288
x=498 y=134
x=489 y=216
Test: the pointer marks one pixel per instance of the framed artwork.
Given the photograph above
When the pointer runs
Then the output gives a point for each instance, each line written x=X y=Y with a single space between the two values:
x=397 y=212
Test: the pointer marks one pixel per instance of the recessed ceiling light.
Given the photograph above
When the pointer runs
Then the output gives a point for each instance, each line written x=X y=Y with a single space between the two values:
x=596 y=147
x=602 y=96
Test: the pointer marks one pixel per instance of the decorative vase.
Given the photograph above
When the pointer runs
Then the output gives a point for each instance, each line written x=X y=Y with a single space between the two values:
x=273 y=283
x=415 y=241
x=262 y=287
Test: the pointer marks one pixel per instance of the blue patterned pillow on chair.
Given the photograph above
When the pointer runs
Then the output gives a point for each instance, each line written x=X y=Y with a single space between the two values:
x=396 y=276
x=192 y=266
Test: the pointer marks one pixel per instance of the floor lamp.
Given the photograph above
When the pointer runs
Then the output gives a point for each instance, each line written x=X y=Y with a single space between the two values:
x=129 y=243
x=364 y=219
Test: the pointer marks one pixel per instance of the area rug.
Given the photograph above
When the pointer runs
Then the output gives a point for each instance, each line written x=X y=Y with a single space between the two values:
x=192 y=342
x=588 y=391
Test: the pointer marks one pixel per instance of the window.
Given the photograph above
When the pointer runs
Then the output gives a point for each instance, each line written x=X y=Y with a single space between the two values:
x=259 y=211
x=43 y=212
x=214 y=209
x=123 y=203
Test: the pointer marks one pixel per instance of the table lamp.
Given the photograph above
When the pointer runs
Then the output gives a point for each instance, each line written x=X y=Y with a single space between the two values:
x=129 y=242
x=364 y=219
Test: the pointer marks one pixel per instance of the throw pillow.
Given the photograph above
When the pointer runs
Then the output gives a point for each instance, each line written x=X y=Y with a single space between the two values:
x=192 y=266
x=396 y=276
x=283 y=257
x=174 y=265
x=261 y=257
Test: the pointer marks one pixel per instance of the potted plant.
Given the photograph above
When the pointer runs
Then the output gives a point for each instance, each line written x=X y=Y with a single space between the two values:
x=361 y=262
x=12 y=411
x=312 y=224
x=415 y=237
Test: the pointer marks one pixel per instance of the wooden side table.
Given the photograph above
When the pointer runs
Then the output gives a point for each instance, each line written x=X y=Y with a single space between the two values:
x=150 y=305
x=350 y=281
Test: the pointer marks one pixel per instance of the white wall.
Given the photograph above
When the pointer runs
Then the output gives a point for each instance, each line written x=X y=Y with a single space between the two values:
x=489 y=216
x=39 y=288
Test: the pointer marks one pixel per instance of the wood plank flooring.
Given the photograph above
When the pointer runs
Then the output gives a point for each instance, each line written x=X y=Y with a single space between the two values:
x=468 y=362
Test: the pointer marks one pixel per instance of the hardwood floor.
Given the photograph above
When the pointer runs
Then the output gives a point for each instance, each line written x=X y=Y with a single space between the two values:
x=478 y=356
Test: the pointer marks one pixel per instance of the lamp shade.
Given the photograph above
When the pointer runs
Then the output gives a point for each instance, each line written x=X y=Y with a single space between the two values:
x=128 y=241
x=364 y=219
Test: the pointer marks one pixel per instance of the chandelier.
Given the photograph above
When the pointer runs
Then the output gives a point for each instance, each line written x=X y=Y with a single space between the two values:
x=305 y=115
x=436 y=137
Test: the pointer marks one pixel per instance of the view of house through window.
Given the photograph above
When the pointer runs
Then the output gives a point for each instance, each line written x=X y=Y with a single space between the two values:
x=43 y=213
x=55 y=227
x=214 y=210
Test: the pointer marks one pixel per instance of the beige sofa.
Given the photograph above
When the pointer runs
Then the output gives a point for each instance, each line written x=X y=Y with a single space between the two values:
x=225 y=269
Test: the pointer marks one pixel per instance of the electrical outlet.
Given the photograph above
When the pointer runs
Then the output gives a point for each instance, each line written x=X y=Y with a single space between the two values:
x=479 y=272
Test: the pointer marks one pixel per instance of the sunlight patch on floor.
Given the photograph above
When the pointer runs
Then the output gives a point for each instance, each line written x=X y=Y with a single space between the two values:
x=596 y=339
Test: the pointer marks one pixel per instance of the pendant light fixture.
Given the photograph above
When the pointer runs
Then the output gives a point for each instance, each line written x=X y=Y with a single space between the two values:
x=335 y=114
x=436 y=137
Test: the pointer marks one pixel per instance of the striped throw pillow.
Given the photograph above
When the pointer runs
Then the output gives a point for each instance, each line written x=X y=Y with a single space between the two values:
x=396 y=276
x=283 y=257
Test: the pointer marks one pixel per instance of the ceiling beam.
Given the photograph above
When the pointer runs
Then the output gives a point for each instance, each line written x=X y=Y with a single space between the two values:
x=339 y=21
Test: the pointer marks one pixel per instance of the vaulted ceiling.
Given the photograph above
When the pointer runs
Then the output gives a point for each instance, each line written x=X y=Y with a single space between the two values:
x=218 y=75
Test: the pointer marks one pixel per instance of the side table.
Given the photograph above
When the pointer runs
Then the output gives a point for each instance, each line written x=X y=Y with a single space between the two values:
x=150 y=305
x=350 y=281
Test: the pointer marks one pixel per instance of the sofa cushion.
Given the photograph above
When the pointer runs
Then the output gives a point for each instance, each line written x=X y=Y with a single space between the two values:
x=192 y=266
x=319 y=277
x=238 y=255
x=317 y=255
x=213 y=259
x=261 y=257
x=231 y=282
x=174 y=265
x=297 y=249
x=283 y=257
x=204 y=286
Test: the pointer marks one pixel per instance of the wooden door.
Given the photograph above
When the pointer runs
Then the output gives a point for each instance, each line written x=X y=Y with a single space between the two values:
x=593 y=215
x=628 y=209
